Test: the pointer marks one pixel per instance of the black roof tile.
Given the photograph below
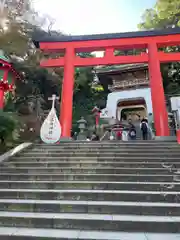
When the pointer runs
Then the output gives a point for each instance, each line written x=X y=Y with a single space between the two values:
x=42 y=37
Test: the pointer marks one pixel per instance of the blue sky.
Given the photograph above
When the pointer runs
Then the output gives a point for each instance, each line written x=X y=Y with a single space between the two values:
x=94 y=16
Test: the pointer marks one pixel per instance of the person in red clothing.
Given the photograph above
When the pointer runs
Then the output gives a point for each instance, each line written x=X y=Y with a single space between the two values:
x=119 y=134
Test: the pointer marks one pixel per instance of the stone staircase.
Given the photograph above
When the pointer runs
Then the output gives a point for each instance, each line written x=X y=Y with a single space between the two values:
x=92 y=190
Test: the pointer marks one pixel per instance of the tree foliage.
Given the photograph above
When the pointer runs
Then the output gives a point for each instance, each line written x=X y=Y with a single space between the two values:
x=13 y=28
x=37 y=84
x=85 y=96
x=8 y=125
x=165 y=14
x=30 y=101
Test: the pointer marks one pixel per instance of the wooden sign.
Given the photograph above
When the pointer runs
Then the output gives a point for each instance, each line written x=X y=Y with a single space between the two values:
x=51 y=129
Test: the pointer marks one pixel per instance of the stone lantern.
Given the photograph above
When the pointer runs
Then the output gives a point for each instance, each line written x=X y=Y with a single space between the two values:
x=8 y=75
x=82 y=123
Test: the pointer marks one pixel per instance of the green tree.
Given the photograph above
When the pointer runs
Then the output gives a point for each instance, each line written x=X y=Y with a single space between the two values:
x=15 y=39
x=85 y=96
x=14 y=29
x=8 y=124
x=165 y=14
x=37 y=84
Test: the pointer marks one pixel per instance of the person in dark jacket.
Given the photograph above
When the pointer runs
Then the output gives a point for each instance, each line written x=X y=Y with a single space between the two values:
x=132 y=130
x=132 y=133
x=94 y=137
x=144 y=128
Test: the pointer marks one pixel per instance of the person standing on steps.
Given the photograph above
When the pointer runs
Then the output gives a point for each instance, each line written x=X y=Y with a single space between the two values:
x=119 y=134
x=132 y=133
x=132 y=130
x=88 y=139
x=144 y=128
x=94 y=137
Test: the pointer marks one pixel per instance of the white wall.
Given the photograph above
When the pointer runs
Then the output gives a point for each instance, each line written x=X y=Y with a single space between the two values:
x=115 y=97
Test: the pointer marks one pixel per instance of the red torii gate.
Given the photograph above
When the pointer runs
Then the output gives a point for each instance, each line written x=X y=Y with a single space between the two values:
x=150 y=40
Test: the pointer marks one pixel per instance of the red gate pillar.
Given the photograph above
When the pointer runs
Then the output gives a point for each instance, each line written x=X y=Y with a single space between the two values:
x=157 y=92
x=67 y=93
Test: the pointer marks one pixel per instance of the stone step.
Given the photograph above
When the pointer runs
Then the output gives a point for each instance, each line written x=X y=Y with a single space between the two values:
x=96 y=159
x=14 y=233
x=152 y=186
x=92 y=207
x=97 y=154
x=105 y=147
x=68 y=187
x=91 y=164
x=93 y=195
x=88 y=170
x=106 y=150
x=109 y=144
x=130 y=223
x=90 y=177
x=110 y=149
x=106 y=143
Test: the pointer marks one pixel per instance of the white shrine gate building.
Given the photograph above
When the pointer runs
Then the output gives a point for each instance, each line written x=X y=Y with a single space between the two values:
x=129 y=93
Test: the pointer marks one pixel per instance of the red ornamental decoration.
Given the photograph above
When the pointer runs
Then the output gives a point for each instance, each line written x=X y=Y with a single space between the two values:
x=8 y=75
x=152 y=41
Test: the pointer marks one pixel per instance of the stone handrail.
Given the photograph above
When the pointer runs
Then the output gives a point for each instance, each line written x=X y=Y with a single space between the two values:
x=14 y=151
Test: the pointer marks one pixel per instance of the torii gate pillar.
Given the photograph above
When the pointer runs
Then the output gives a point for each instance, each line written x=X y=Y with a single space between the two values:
x=157 y=92
x=67 y=93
